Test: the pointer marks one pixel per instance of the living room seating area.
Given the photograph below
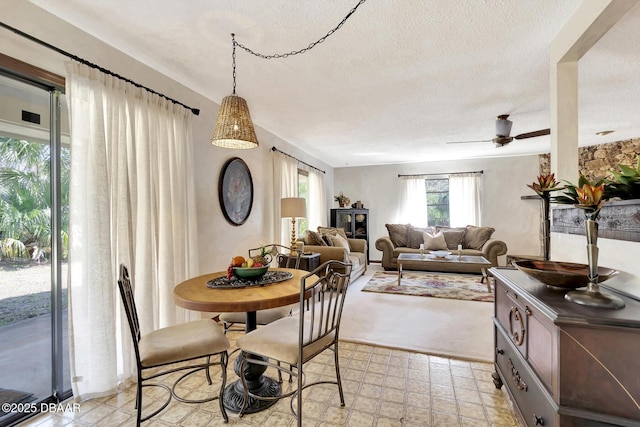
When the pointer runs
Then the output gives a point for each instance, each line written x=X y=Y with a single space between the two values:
x=406 y=238
x=333 y=244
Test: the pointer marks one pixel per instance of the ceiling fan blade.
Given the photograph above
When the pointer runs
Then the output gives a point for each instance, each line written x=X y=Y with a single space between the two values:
x=467 y=142
x=541 y=132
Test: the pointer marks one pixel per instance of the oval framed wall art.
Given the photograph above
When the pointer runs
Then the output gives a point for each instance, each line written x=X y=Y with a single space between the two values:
x=235 y=191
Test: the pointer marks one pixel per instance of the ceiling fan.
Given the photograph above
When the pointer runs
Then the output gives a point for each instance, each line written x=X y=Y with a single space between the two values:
x=503 y=130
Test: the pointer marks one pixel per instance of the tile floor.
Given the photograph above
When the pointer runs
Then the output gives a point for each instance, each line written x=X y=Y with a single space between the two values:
x=383 y=387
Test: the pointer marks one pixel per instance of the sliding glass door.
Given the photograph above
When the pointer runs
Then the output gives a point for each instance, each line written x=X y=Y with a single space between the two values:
x=34 y=166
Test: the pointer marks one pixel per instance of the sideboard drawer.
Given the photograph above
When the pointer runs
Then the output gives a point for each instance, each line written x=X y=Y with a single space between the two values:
x=512 y=315
x=535 y=406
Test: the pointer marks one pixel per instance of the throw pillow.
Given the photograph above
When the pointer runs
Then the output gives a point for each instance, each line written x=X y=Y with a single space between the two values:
x=476 y=237
x=434 y=242
x=453 y=236
x=414 y=235
x=340 y=242
x=332 y=230
x=312 y=238
x=398 y=234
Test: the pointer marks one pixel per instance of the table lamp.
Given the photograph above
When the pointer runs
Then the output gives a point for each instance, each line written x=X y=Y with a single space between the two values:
x=293 y=207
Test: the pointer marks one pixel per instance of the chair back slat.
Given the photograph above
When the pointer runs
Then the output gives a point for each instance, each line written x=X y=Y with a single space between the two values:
x=322 y=301
x=126 y=291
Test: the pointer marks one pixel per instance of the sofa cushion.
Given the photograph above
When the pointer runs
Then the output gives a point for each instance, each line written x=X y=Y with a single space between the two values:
x=414 y=235
x=357 y=259
x=434 y=242
x=398 y=234
x=453 y=236
x=475 y=237
x=313 y=238
x=340 y=242
x=332 y=231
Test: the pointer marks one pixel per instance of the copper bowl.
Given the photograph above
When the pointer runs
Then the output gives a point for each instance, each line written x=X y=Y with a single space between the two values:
x=566 y=275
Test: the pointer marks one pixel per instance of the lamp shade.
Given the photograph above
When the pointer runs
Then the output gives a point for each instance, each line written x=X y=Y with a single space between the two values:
x=234 y=128
x=293 y=207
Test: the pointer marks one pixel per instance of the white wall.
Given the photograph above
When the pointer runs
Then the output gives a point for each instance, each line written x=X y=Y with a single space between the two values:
x=218 y=240
x=504 y=181
x=619 y=254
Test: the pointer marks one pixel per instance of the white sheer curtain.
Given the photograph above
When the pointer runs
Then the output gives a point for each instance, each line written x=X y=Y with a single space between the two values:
x=413 y=201
x=285 y=184
x=132 y=201
x=317 y=202
x=465 y=195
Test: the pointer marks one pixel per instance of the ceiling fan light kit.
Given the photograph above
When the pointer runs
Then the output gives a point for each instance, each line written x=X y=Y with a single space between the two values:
x=503 y=125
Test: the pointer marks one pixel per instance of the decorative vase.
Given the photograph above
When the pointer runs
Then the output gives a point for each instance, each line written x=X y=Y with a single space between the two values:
x=545 y=231
x=341 y=205
x=592 y=296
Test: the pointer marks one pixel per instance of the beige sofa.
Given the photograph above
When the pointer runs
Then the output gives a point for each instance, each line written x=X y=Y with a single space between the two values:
x=491 y=249
x=356 y=254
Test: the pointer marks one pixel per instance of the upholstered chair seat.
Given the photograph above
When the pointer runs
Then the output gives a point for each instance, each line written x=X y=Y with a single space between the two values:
x=190 y=340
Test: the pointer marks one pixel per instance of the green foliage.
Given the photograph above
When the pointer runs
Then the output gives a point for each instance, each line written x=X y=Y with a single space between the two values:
x=25 y=197
x=626 y=183
x=12 y=249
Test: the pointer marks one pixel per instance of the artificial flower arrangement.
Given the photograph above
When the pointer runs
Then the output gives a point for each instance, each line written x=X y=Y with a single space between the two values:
x=545 y=184
x=588 y=196
x=342 y=199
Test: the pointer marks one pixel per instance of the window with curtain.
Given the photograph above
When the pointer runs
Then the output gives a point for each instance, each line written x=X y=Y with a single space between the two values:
x=413 y=204
x=296 y=179
x=131 y=201
x=465 y=196
x=316 y=202
x=303 y=191
x=442 y=200
x=437 y=193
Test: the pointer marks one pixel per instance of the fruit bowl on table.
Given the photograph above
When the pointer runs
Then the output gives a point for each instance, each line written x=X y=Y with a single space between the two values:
x=252 y=273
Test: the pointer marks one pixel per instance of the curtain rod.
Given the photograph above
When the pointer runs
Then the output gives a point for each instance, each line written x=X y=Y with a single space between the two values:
x=195 y=111
x=295 y=158
x=439 y=174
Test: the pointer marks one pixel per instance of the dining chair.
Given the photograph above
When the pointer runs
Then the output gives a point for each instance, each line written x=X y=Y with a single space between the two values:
x=289 y=343
x=277 y=256
x=177 y=348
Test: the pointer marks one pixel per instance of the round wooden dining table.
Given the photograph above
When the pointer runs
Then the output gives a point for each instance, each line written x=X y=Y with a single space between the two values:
x=193 y=294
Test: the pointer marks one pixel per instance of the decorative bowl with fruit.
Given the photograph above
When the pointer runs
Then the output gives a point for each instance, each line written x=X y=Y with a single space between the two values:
x=246 y=268
x=250 y=272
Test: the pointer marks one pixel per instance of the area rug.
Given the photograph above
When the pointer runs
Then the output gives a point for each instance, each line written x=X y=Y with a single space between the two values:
x=427 y=284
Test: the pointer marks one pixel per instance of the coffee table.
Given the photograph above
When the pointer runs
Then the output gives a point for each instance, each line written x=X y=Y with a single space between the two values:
x=448 y=263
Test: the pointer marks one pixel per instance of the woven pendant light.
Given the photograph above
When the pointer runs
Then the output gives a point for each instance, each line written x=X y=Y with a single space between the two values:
x=234 y=128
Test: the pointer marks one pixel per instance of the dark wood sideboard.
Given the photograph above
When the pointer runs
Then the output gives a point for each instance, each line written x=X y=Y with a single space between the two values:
x=564 y=364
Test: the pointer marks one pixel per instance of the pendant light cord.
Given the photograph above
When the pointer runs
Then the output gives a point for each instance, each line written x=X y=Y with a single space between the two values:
x=233 y=61
x=294 y=52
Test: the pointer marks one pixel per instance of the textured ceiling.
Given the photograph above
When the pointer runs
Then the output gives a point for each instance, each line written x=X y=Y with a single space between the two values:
x=397 y=82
